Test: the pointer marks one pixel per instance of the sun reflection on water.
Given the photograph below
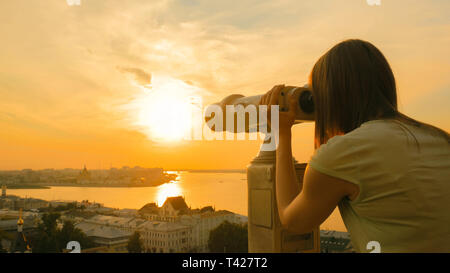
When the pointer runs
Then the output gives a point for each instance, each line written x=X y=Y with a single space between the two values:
x=170 y=189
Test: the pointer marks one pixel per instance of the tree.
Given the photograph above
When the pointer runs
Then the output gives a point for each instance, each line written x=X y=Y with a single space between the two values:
x=70 y=233
x=50 y=239
x=45 y=240
x=228 y=238
x=68 y=207
x=135 y=243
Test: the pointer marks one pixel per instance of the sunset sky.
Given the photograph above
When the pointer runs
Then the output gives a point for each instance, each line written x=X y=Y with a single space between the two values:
x=74 y=80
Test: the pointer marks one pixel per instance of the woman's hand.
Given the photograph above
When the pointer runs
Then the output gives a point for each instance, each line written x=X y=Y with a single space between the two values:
x=286 y=119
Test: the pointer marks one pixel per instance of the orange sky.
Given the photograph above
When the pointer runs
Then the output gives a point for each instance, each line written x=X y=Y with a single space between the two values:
x=72 y=77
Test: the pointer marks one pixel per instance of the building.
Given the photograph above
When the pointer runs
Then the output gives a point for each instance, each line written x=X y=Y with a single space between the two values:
x=172 y=208
x=90 y=205
x=13 y=202
x=126 y=213
x=165 y=237
x=16 y=227
x=30 y=204
x=20 y=243
x=8 y=220
x=106 y=236
x=118 y=248
x=122 y=223
x=149 y=211
x=202 y=223
x=173 y=227
x=111 y=233
x=61 y=203
x=84 y=177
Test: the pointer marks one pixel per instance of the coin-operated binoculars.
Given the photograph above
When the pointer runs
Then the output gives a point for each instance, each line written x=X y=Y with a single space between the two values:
x=265 y=232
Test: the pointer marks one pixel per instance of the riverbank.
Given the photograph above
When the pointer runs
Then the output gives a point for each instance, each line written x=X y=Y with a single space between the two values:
x=48 y=186
x=167 y=178
x=213 y=171
x=26 y=186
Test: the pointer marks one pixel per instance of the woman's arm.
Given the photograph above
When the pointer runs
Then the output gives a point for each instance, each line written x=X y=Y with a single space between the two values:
x=302 y=208
x=285 y=171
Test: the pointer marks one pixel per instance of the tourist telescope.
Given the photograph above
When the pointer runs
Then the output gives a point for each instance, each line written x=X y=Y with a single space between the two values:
x=304 y=110
x=265 y=232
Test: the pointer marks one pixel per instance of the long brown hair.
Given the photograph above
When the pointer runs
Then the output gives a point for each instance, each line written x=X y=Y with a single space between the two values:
x=353 y=83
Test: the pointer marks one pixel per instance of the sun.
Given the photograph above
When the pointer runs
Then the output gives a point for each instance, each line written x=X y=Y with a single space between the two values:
x=165 y=110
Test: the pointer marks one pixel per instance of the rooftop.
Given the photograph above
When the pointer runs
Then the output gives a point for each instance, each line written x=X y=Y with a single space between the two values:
x=100 y=231
x=162 y=226
x=177 y=203
x=110 y=220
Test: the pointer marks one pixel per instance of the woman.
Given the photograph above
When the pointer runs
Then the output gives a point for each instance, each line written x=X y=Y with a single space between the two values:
x=388 y=173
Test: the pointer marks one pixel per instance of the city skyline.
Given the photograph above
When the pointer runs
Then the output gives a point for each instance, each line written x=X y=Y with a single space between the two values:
x=110 y=167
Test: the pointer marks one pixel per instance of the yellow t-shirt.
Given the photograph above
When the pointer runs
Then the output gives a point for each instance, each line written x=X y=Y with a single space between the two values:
x=404 y=199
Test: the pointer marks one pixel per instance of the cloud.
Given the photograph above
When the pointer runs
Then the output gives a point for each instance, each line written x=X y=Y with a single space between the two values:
x=7 y=116
x=140 y=76
x=65 y=66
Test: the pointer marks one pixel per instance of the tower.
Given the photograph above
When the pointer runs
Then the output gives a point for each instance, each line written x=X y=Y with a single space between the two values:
x=84 y=177
x=20 y=244
x=3 y=190
x=20 y=222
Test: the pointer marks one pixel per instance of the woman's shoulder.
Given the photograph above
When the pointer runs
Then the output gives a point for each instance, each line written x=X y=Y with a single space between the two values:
x=380 y=131
x=374 y=142
x=368 y=132
x=386 y=138
x=376 y=129
x=371 y=136
x=393 y=132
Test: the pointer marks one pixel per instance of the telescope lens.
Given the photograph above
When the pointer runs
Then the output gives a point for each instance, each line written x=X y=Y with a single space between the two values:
x=306 y=102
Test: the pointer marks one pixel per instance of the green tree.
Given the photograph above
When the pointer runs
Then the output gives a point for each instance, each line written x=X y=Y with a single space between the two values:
x=228 y=238
x=135 y=243
x=45 y=240
x=70 y=233
x=50 y=239
x=49 y=222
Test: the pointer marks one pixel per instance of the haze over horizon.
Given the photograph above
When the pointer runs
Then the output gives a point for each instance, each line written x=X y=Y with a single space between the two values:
x=86 y=84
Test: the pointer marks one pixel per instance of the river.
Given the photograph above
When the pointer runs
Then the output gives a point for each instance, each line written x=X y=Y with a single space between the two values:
x=222 y=190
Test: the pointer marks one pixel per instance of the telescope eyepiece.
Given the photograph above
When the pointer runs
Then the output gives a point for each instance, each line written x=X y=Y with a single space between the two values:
x=306 y=102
